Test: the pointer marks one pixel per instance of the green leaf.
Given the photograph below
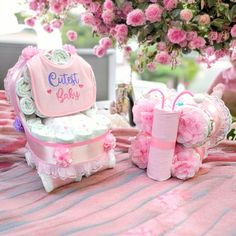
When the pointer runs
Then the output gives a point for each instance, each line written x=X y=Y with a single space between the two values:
x=232 y=12
x=175 y=13
x=211 y=3
x=218 y=23
x=119 y=3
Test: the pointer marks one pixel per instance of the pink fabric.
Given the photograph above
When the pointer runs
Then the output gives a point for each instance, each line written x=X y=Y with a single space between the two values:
x=165 y=126
x=60 y=89
x=119 y=201
x=11 y=141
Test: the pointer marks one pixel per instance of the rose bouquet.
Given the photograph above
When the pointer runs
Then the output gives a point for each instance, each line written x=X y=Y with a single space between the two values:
x=164 y=29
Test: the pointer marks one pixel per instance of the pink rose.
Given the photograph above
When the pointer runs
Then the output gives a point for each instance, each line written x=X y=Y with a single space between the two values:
x=139 y=150
x=121 y=32
x=194 y=126
x=198 y=43
x=176 y=35
x=151 y=66
x=136 y=18
x=108 y=16
x=209 y=51
x=161 y=46
x=30 y=21
x=99 y=50
x=57 y=23
x=191 y=35
x=186 y=14
x=105 y=42
x=63 y=157
x=204 y=19
x=108 y=5
x=126 y=8
x=233 y=31
x=153 y=13
x=213 y=35
x=47 y=28
x=109 y=142
x=170 y=4
x=71 y=35
x=127 y=51
x=56 y=6
x=186 y=162
x=163 y=57
x=88 y=18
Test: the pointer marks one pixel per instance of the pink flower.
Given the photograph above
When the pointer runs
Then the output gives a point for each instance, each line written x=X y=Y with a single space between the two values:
x=126 y=8
x=163 y=57
x=142 y=106
x=105 y=42
x=88 y=18
x=69 y=48
x=109 y=142
x=29 y=52
x=30 y=21
x=136 y=18
x=209 y=51
x=71 y=35
x=161 y=46
x=99 y=50
x=63 y=157
x=108 y=16
x=121 y=32
x=186 y=163
x=213 y=35
x=204 y=19
x=176 y=35
x=146 y=122
x=194 y=126
x=108 y=5
x=170 y=4
x=191 y=35
x=48 y=28
x=233 y=31
x=198 y=43
x=151 y=66
x=56 y=6
x=139 y=150
x=127 y=51
x=153 y=13
x=57 y=23
x=186 y=14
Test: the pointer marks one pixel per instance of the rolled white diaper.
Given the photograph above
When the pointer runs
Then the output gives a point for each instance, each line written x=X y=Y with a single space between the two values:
x=82 y=134
x=64 y=136
x=32 y=122
x=43 y=132
x=23 y=88
x=26 y=76
x=27 y=105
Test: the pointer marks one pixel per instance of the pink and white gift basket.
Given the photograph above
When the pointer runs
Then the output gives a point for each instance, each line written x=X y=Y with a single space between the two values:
x=54 y=94
x=176 y=132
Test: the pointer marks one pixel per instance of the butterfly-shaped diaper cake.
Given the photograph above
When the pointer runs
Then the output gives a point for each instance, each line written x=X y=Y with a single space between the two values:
x=176 y=132
x=53 y=94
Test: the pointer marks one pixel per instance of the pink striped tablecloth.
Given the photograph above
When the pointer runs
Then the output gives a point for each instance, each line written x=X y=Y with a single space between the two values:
x=119 y=201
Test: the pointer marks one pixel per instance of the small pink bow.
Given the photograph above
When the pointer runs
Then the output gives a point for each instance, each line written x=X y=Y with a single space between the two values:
x=63 y=156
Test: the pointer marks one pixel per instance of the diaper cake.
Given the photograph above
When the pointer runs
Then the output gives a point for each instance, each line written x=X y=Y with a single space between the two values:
x=176 y=132
x=54 y=94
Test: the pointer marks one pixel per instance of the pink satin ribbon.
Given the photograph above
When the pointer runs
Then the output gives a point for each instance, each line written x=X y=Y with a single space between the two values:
x=162 y=144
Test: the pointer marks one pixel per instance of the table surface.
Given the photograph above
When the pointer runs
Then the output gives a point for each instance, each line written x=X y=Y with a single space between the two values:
x=119 y=201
